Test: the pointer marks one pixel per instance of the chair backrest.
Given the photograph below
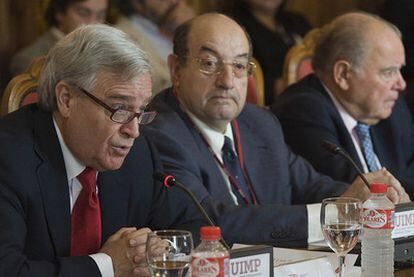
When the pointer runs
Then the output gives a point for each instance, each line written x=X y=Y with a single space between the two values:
x=21 y=90
x=298 y=61
x=255 y=86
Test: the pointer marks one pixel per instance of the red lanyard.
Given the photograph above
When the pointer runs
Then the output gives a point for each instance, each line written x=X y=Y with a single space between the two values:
x=238 y=146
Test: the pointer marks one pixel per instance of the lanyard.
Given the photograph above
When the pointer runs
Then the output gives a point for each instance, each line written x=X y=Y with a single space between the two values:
x=238 y=146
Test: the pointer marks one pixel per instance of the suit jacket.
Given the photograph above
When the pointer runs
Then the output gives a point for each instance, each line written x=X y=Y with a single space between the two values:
x=308 y=116
x=161 y=73
x=282 y=181
x=38 y=48
x=34 y=199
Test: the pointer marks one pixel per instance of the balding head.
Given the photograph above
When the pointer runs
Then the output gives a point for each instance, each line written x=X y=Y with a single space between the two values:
x=358 y=58
x=209 y=22
x=209 y=68
x=350 y=37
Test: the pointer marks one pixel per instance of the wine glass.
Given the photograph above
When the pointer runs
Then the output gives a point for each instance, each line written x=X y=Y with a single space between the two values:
x=168 y=253
x=341 y=225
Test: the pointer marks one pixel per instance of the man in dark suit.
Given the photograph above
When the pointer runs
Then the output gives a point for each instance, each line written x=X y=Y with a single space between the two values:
x=231 y=154
x=356 y=85
x=56 y=219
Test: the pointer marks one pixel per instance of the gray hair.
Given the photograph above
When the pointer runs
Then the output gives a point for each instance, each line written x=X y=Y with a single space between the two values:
x=346 y=39
x=89 y=50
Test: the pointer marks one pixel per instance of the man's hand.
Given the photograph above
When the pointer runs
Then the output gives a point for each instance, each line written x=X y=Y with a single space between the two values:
x=127 y=250
x=396 y=192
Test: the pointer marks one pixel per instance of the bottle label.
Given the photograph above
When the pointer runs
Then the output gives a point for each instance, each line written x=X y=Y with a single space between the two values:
x=378 y=219
x=209 y=267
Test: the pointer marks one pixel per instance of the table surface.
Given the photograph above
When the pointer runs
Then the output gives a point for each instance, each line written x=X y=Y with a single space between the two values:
x=407 y=272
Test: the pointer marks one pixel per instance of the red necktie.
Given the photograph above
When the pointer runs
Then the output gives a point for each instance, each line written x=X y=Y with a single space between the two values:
x=86 y=229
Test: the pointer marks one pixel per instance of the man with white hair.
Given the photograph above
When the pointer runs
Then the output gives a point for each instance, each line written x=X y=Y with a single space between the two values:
x=76 y=186
x=354 y=101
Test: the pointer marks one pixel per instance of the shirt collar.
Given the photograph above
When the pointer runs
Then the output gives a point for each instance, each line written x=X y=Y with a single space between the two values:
x=214 y=138
x=72 y=165
x=348 y=120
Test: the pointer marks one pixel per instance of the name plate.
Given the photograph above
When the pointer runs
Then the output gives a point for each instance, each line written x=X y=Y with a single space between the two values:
x=252 y=261
x=309 y=268
x=403 y=221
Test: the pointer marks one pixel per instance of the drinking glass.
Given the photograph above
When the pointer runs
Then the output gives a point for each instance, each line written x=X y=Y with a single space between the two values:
x=168 y=253
x=341 y=224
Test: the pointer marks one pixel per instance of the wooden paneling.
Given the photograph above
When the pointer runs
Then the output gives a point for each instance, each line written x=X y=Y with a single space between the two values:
x=21 y=22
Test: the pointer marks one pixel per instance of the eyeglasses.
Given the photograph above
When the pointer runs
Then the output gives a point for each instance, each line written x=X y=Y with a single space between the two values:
x=120 y=115
x=210 y=66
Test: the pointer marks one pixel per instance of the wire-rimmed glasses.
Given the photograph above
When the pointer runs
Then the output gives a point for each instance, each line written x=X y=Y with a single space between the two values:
x=214 y=66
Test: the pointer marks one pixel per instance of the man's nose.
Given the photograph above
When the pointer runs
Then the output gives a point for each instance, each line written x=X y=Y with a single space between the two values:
x=131 y=129
x=225 y=78
x=400 y=83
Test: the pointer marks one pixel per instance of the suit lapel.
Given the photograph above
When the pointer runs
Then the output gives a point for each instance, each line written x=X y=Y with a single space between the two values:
x=343 y=134
x=251 y=148
x=381 y=138
x=215 y=184
x=114 y=200
x=53 y=182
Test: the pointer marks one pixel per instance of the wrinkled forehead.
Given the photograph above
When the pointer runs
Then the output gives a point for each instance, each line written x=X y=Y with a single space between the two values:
x=219 y=35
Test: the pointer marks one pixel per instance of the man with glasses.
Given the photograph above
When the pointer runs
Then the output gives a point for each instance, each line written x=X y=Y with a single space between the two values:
x=232 y=154
x=77 y=197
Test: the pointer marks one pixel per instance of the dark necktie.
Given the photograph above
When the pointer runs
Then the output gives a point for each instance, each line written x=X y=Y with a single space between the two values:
x=86 y=229
x=231 y=162
x=362 y=131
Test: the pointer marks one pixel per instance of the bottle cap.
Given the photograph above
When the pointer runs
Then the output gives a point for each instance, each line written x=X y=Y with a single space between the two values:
x=379 y=188
x=210 y=233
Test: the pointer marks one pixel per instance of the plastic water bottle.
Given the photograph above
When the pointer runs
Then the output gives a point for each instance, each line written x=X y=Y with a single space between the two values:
x=377 y=244
x=210 y=258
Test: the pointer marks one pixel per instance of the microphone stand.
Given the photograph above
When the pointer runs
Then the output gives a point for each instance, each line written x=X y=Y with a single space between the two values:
x=170 y=181
x=336 y=150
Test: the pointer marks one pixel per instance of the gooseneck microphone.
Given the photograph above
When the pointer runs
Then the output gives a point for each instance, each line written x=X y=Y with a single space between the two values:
x=336 y=150
x=169 y=181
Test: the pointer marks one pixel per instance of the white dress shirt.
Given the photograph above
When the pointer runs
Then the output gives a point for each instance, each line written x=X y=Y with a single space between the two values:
x=216 y=142
x=350 y=124
x=73 y=169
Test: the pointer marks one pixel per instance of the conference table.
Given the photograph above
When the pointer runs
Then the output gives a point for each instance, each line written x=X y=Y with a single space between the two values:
x=406 y=272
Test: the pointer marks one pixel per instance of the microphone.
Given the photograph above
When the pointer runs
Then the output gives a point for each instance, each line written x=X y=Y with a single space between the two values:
x=169 y=181
x=336 y=150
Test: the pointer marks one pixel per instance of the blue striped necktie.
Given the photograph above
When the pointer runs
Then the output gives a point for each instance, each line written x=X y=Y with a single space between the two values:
x=362 y=131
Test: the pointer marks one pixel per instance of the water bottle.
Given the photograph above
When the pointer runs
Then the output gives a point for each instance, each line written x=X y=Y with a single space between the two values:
x=377 y=244
x=210 y=258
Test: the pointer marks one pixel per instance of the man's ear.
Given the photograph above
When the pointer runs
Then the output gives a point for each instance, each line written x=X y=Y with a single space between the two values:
x=174 y=66
x=341 y=74
x=64 y=98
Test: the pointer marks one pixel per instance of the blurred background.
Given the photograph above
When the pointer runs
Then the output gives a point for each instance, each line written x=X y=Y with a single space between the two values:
x=22 y=21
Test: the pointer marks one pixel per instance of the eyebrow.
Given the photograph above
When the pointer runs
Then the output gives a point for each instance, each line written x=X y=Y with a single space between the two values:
x=208 y=49
x=128 y=99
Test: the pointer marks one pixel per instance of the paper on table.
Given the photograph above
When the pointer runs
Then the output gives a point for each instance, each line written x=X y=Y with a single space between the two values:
x=286 y=255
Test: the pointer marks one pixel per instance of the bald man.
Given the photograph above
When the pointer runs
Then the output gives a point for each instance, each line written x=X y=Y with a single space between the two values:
x=353 y=100
x=231 y=154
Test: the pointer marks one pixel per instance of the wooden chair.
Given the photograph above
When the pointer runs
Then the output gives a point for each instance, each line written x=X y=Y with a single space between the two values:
x=21 y=90
x=255 y=86
x=298 y=61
